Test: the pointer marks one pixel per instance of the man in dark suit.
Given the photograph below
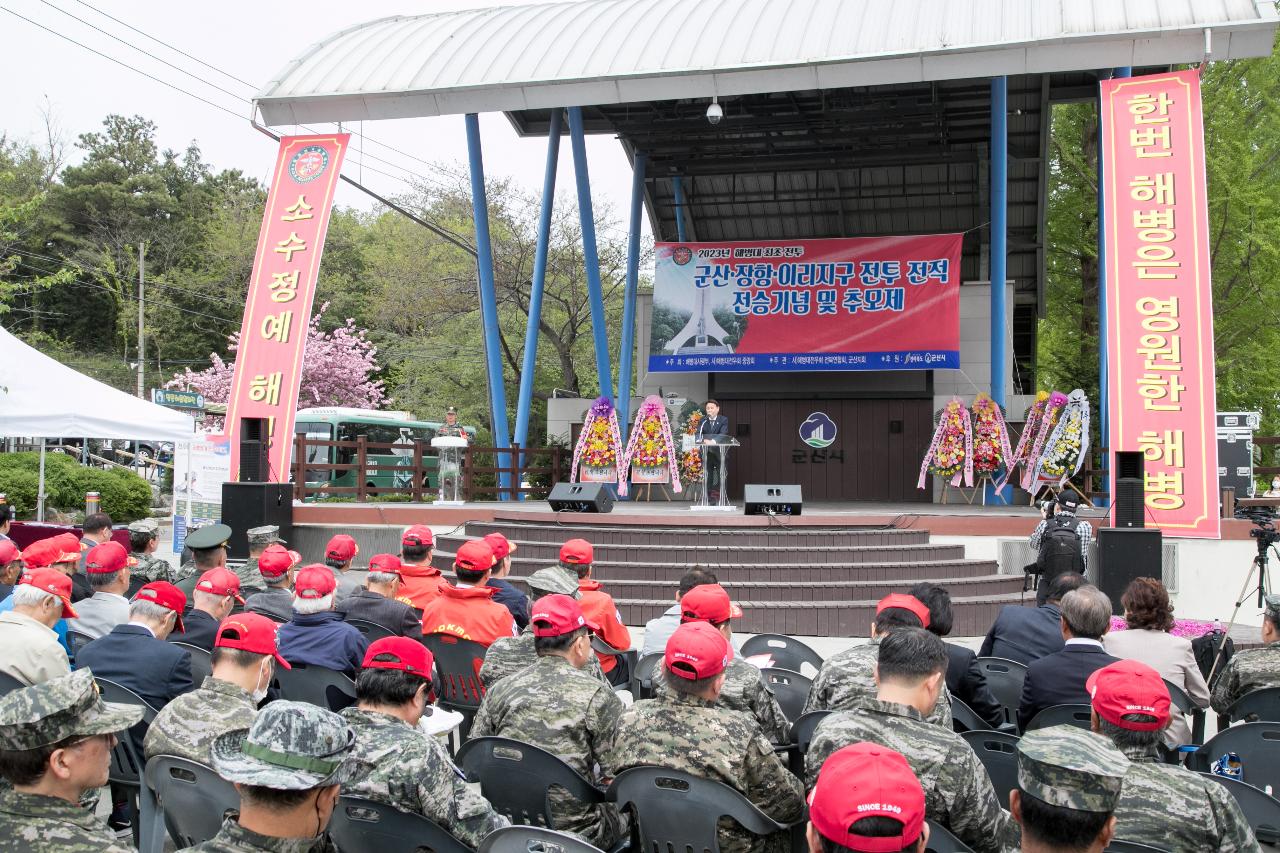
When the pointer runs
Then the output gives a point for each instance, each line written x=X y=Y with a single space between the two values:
x=965 y=680
x=216 y=594
x=714 y=424
x=1059 y=678
x=376 y=601
x=1025 y=634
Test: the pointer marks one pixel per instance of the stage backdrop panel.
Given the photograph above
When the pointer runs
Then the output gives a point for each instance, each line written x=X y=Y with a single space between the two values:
x=864 y=303
x=1159 y=296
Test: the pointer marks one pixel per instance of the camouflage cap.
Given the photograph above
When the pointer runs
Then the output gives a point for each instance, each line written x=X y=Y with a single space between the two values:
x=1070 y=767
x=292 y=746
x=145 y=525
x=554 y=580
x=264 y=535
x=55 y=710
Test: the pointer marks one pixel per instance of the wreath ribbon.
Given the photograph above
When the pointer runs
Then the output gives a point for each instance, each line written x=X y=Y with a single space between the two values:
x=1074 y=413
x=957 y=410
x=651 y=407
x=601 y=408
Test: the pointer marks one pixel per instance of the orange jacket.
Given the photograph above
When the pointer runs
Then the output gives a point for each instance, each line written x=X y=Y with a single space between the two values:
x=420 y=585
x=597 y=605
x=470 y=613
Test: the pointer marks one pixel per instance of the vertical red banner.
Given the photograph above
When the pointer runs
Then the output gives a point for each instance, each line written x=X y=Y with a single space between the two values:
x=282 y=289
x=1160 y=296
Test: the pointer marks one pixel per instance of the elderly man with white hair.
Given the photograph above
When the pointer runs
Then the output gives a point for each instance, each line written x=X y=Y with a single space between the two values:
x=378 y=600
x=29 y=647
x=317 y=634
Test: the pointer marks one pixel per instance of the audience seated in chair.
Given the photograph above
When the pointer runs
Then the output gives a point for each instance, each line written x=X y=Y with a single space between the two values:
x=658 y=631
x=217 y=592
x=277 y=567
x=507 y=595
x=377 y=601
x=1059 y=678
x=577 y=556
x=107 y=567
x=316 y=635
x=1252 y=669
x=866 y=799
x=468 y=610
x=1025 y=634
x=421 y=582
x=965 y=679
x=29 y=647
x=338 y=556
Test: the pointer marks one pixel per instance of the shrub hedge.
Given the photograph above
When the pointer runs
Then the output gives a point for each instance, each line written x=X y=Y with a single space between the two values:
x=125 y=496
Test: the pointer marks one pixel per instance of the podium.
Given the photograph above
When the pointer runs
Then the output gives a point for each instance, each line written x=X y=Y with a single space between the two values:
x=449 y=468
x=719 y=444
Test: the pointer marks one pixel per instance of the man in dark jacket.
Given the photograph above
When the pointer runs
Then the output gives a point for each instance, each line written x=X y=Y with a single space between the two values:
x=1025 y=634
x=217 y=592
x=965 y=680
x=317 y=636
x=507 y=595
x=376 y=601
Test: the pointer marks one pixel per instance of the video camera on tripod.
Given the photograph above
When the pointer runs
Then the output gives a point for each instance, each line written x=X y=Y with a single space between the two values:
x=1264 y=521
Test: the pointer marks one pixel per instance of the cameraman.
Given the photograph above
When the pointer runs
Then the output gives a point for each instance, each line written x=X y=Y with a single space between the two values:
x=1061 y=542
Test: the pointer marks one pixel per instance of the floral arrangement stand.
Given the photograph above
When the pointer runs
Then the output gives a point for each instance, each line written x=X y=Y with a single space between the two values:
x=691 y=463
x=970 y=493
x=599 y=446
x=950 y=453
x=651 y=454
x=1065 y=448
x=991 y=452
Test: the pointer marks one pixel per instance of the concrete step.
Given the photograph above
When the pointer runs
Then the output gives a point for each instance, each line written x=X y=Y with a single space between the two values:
x=711 y=537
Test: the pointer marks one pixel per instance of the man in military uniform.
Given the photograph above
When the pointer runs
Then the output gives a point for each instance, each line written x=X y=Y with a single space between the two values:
x=911 y=666
x=744 y=688
x=509 y=655
x=685 y=731
x=1069 y=782
x=144 y=538
x=1161 y=803
x=244 y=661
x=850 y=675
x=277 y=567
x=55 y=745
x=557 y=706
x=288 y=767
x=208 y=547
x=1252 y=669
x=259 y=538
x=450 y=429
x=867 y=799
x=411 y=771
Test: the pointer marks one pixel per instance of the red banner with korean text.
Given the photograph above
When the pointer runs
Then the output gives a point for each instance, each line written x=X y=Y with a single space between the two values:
x=282 y=288
x=1160 y=296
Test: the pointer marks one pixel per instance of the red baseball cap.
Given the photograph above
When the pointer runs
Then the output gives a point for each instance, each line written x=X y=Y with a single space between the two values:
x=697 y=650
x=341 y=547
x=295 y=558
x=166 y=595
x=418 y=536
x=577 y=552
x=386 y=563
x=250 y=632
x=906 y=602
x=556 y=615
x=70 y=543
x=107 y=558
x=1129 y=687
x=51 y=581
x=708 y=602
x=220 y=581
x=274 y=561
x=314 y=581
x=8 y=552
x=400 y=653
x=502 y=547
x=46 y=552
x=474 y=555
x=866 y=780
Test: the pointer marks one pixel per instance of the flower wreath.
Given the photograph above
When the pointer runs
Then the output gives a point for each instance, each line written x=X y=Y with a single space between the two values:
x=990 y=437
x=599 y=441
x=691 y=459
x=650 y=445
x=950 y=454
x=1048 y=421
x=1068 y=444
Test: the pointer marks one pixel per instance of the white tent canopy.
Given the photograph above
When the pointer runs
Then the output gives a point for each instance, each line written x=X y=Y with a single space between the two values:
x=41 y=397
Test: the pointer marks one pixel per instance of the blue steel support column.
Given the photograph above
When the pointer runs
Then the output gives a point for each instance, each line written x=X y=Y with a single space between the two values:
x=488 y=297
x=529 y=366
x=595 y=291
x=628 y=345
x=1104 y=385
x=677 y=189
x=999 y=240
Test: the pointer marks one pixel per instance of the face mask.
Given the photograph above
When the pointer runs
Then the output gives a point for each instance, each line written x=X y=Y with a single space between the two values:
x=264 y=676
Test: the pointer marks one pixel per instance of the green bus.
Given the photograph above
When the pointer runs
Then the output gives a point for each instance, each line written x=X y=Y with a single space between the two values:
x=336 y=423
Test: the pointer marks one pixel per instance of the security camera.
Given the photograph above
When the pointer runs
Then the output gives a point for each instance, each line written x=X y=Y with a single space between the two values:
x=715 y=112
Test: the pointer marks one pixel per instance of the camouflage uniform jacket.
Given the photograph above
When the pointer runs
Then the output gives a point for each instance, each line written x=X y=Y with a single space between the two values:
x=1249 y=670
x=234 y=838
x=1181 y=810
x=850 y=675
x=570 y=714
x=38 y=824
x=151 y=568
x=413 y=772
x=957 y=790
x=695 y=736
x=744 y=690
x=509 y=655
x=188 y=725
x=250 y=577
x=184 y=571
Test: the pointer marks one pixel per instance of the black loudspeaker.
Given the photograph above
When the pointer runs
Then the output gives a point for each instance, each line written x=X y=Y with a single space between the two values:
x=254 y=454
x=246 y=505
x=1129 y=465
x=580 y=497
x=1130 y=488
x=772 y=499
x=1125 y=554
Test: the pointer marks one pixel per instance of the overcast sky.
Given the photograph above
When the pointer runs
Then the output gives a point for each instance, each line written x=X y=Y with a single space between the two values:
x=251 y=41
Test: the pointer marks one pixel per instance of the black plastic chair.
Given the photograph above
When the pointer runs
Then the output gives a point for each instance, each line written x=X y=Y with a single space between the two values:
x=965 y=719
x=1260 y=808
x=648 y=669
x=458 y=687
x=790 y=688
x=315 y=685
x=787 y=652
x=625 y=661
x=1062 y=715
x=998 y=752
x=516 y=777
x=1257 y=744
x=534 y=839
x=372 y=631
x=942 y=840
x=1120 y=846
x=359 y=824
x=8 y=683
x=677 y=811
x=1257 y=706
x=184 y=798
x=801 y=736
x=1183 y=702
x=126 y=757
x=1004 y=680
x=201 y=662
x=76 y=641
